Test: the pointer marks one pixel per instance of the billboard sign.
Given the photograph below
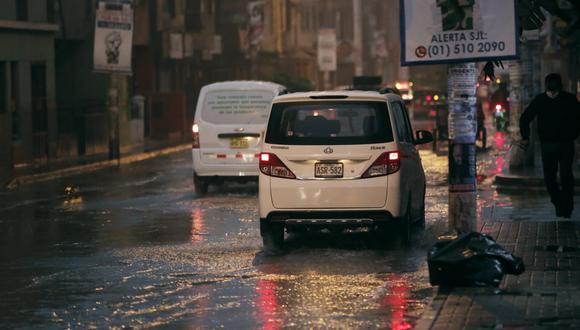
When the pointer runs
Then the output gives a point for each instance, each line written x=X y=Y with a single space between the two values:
x=113 y=36
x=455 y=31
x=327 y=50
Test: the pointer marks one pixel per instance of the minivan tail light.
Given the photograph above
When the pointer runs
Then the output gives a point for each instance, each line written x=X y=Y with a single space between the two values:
x=195 y=136
x=387 y=163
x=271 y=165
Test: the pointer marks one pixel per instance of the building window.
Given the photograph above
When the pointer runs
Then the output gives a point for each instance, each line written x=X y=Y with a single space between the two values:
x=208 y=7
x=3 y=87
x=22 y=10
x=14 y=106
x=306 y=19
x=38 y=93
x=171 y=8
x=50 y=11
x=89 y=7
x=193 y=14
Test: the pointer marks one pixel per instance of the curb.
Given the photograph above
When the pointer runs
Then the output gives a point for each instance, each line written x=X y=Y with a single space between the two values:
x=515 y=181
x=51 y=175
x=508 y=180
x=433 y=309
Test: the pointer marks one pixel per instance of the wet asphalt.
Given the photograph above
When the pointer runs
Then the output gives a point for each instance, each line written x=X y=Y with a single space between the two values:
x=136 y=247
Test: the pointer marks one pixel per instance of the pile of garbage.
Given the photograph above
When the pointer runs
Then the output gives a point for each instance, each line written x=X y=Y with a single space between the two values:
x=473 y=259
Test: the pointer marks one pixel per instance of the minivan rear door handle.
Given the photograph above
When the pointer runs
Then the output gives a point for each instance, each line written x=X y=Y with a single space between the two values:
x=237 y=135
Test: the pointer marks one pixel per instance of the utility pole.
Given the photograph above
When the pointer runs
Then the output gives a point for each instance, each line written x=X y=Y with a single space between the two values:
x=358 y=38
x=462 y=80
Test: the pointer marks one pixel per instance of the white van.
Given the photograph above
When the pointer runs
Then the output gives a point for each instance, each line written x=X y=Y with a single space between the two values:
x=227 y=131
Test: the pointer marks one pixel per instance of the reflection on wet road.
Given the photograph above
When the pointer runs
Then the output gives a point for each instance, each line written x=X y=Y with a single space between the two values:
x=135 y=247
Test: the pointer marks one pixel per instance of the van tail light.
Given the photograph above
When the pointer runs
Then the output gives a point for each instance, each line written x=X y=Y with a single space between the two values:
x=195 y=136
x=271 y=165
x=387 y=163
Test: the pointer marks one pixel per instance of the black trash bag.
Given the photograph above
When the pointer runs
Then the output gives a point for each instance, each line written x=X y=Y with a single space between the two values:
x=473 y=259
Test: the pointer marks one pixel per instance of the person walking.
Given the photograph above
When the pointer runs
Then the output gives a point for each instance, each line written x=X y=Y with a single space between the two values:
x=558 y=115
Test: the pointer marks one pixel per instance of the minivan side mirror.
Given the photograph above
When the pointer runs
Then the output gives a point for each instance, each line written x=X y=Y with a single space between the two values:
x=423 y=137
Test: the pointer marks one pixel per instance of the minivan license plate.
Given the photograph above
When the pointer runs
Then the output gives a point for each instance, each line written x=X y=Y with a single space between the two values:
x=239 y=143
x=328 y=170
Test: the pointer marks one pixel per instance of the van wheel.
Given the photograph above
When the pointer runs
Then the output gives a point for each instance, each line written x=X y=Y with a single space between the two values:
x=200 y=184
x=272 y=235
x=405 y=227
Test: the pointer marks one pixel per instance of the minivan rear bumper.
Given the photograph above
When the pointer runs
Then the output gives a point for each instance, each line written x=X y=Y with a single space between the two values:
x=358 y=217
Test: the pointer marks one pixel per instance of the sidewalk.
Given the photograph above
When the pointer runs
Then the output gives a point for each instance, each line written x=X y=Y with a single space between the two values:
x=546 y=295
x=520 y=218
x=63 y=168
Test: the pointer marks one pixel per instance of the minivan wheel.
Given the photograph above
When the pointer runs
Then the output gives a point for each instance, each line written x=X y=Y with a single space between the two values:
x=405 y=227
x=421 y=221
x=272 y=235
x=200 y=184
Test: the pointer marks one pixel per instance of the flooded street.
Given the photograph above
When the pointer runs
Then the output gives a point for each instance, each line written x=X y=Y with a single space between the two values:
x=136 y=247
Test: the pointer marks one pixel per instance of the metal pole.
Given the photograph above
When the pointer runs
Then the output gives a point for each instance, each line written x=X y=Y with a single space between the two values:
x=462 y=159
x=358 y=38
x=326 y=81
x=113 y=105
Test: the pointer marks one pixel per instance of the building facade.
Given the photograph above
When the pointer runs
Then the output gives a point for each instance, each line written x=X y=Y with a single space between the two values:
x=27 y=84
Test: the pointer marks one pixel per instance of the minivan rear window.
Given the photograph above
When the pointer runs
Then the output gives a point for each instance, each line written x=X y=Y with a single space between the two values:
x=333 y=123
x=230 y=107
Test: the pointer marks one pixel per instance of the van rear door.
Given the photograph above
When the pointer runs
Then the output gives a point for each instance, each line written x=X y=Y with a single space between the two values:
x=231 y=125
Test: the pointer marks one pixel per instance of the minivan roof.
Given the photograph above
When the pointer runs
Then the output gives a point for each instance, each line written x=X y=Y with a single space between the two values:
x=243 y=84
x=336 y=96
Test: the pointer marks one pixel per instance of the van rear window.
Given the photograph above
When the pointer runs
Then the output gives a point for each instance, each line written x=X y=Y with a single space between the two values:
x=237 y=107
x=331 y=123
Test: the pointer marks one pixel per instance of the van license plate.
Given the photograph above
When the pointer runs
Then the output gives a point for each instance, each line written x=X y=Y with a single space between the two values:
x=239 y=143
x=328 y=170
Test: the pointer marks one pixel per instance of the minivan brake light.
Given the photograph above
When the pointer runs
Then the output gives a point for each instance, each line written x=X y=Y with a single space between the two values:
x=271 y=165
x=387 y=163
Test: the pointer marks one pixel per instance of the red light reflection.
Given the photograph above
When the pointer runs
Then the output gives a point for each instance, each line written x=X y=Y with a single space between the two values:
x=396 y=301
x=268 y=305
x=499 y=140
x=499 y=164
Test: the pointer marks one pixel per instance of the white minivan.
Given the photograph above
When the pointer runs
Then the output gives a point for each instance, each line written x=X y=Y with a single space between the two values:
x=229 y=122
x=332 y=159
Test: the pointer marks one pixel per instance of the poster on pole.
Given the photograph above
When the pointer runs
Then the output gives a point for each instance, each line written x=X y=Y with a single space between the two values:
x=462 y=102
x=462 y=167
x=327 y=50
x=456 y=31
x=113 y=36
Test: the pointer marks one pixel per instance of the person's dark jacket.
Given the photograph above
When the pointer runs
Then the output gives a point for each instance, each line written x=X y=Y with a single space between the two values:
x=558 y=118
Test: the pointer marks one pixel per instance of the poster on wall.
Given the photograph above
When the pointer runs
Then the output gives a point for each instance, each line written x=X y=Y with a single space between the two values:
x=255 y=26
x=113 y=36
x=455 y=31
